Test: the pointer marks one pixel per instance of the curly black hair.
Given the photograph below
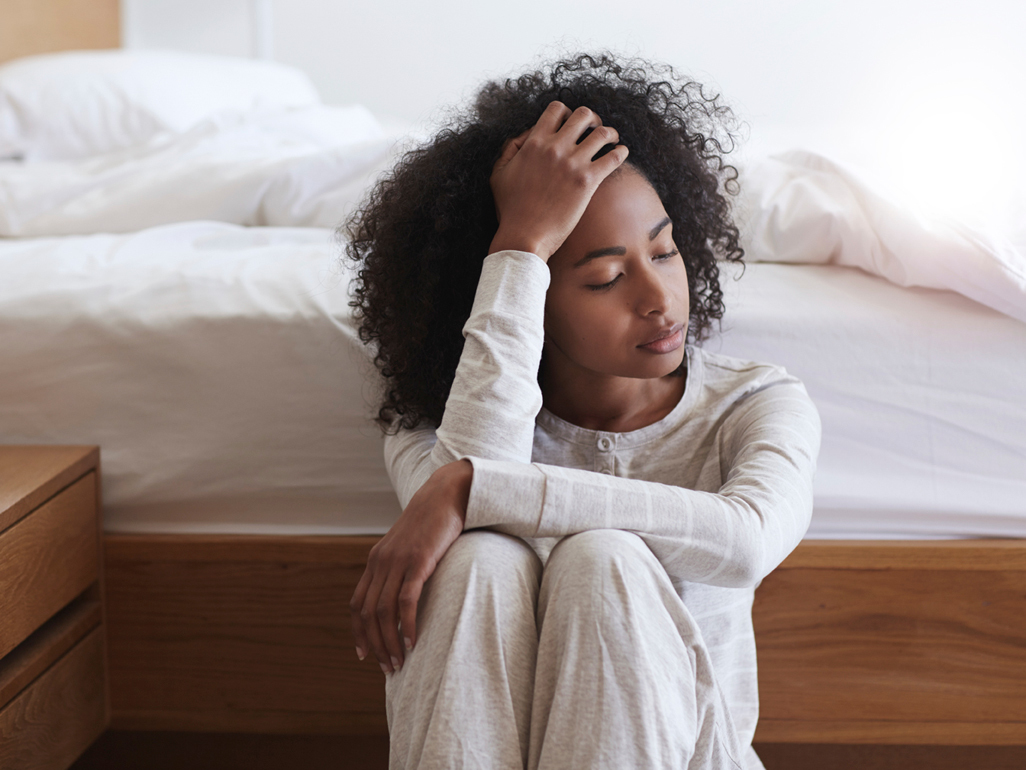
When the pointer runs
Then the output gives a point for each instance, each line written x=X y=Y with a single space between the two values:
x=419 y=239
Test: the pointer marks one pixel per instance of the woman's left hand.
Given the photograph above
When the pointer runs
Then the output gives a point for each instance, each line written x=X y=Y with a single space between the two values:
x=403 y=560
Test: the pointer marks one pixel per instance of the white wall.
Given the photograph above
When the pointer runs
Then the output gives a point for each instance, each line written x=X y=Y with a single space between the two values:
x=929 y=93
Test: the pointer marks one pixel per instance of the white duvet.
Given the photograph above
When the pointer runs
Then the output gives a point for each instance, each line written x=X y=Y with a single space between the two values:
x=309 y=166
x=181 y=305
x=301 y=167
x=799 y=207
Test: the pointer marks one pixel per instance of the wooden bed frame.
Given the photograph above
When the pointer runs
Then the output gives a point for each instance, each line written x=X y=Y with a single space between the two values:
x=860 y=643
x=920 y=642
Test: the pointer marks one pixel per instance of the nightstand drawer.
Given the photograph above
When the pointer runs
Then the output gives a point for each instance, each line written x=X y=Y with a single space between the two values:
x=47 y=559
x=53 y=720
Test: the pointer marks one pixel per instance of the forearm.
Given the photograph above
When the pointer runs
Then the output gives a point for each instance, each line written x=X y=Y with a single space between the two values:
x=732 y=536
x=495 y=397
x=730 y=539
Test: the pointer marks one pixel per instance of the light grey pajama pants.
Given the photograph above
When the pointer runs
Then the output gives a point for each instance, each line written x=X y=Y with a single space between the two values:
x=592 y=661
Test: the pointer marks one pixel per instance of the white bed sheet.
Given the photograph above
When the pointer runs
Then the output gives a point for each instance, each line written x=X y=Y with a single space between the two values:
x=921 y=393
x=218 y=369
x=215 y=366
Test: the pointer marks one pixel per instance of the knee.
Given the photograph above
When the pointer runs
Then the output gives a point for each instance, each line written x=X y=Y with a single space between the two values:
x=486 y=559
x=598 y=552
x=598 y=565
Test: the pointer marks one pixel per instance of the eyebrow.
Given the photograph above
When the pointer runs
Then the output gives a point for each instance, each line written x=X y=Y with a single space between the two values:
x=619 y=251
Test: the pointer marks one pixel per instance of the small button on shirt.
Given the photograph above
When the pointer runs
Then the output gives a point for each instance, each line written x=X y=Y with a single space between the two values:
x=604 y=461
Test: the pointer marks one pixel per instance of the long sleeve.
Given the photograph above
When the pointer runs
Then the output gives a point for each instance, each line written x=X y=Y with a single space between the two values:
x=495 y=396
x=756 y=501
x=768 y=445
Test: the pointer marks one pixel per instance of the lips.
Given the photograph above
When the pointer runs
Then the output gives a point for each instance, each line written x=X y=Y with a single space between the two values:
x=666 y=341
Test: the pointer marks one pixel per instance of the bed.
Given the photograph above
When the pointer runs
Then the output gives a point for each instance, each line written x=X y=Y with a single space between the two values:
x=179 y=302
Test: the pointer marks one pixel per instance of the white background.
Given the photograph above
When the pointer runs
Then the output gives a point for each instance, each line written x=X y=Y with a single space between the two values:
x=928 y=96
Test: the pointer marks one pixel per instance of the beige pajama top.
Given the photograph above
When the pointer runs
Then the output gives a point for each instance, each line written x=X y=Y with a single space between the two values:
x=720 y=489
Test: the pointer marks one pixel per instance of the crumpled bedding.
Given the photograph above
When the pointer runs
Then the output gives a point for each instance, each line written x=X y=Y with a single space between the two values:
x=300 y=167
x=800 y=207
x=180 y=304
x=310 y=166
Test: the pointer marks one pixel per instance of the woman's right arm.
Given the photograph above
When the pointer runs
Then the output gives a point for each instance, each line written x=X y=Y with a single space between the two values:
x=495 y=396
x=542 y=183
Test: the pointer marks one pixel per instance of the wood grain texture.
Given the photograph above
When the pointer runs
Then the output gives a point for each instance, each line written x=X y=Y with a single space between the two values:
x=43 y=26
x=46 y=560
x=132 y=750
x=245 y=634
x=347 y=552
x=222 y=633
x=905 y=656
x=33 y=656
x=889 y=757
x=53 y=721
x=883 y=732
x=973 y=555
x=117 y=750
x=31 y=475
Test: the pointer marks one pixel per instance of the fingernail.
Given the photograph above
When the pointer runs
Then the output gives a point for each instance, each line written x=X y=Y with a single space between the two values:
x=408 y=643
x=360 y=653
x=395 y=663
x=384 y=669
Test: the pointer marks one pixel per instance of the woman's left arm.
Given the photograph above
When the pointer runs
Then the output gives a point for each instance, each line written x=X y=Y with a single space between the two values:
x=733 y=537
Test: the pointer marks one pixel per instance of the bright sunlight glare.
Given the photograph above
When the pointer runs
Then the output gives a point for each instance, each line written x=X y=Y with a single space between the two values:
x=955 y=144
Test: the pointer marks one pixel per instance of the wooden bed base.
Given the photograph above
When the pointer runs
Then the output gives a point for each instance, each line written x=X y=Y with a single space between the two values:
x=859 y=642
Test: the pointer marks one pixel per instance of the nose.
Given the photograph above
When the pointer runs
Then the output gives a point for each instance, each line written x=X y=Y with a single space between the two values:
x=653 y=293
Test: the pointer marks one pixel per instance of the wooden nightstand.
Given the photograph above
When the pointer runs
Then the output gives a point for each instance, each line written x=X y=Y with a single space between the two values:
x=53 y=672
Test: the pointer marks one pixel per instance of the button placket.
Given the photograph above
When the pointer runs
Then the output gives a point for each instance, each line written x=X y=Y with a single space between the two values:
x=605 y=445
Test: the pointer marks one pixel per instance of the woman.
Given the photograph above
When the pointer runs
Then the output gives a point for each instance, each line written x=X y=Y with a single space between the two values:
x=589 y=500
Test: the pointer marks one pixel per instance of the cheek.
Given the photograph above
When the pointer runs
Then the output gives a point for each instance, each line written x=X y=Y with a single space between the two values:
x=577 y=326
x=683 y=289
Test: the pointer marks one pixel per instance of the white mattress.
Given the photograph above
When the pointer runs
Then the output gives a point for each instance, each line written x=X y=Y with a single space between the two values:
x=921 y=393
x=217 y=368
x=214 y=365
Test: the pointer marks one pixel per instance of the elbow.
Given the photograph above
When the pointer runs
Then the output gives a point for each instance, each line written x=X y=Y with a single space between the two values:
x=767 y=540
x=751 y=551
x=748 y=567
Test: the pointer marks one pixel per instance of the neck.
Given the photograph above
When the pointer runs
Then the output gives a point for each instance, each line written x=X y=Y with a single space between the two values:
x=613 y=404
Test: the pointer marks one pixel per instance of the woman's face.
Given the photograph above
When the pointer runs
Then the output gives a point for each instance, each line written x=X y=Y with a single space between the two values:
x=618 y=303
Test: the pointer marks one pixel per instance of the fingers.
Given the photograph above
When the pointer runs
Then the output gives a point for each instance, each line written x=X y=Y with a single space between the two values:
x=355 y=608
x=609 y=162
x=577 y=123
x=580 y=121
x=387 y=614
x=598 y=139
x=371 y=625
x=381 y=600
x=553 y=117
x=409 y=596
x=511 y=148
x=559 y=122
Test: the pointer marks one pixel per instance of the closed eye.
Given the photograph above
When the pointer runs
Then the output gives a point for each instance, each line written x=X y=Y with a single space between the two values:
x=667 y=255
x=601 y=286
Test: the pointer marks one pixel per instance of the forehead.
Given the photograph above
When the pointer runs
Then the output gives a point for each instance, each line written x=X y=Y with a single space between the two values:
x=622 y=213
x=623 y=210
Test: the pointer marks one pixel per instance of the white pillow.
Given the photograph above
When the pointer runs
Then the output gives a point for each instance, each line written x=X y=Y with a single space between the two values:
x=78 y=104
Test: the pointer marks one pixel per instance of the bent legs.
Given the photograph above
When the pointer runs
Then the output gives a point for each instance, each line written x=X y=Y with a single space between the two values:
x=463 y=696
x=593 y=662
x=623 y=678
